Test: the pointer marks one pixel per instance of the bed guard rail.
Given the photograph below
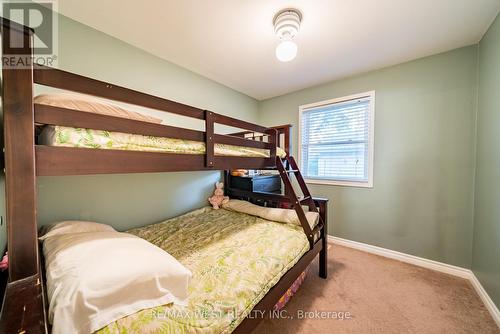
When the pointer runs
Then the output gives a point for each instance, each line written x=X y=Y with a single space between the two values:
x=73 y=118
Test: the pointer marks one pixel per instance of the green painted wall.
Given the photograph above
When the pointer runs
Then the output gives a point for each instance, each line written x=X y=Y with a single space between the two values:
x=422 y=201
x=486 y=249
x=125 y=201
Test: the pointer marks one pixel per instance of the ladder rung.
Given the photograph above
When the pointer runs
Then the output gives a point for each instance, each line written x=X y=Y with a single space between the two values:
x=292 y=170
x=303 y=198
x=317 y=228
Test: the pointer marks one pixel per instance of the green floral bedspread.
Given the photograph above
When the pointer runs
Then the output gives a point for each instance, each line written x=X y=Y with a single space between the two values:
x=76 y=137
x=235 y=259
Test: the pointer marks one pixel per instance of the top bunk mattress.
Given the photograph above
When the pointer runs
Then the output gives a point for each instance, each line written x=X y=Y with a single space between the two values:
x=99 y=139
x=235 y=260
x=76 y=137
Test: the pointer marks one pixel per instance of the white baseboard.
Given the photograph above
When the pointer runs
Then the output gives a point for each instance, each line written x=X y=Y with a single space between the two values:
x=418 y=261
x=425 y=263
x=490 y=305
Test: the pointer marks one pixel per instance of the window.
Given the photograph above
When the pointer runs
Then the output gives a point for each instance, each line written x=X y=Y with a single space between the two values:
x=336 y=141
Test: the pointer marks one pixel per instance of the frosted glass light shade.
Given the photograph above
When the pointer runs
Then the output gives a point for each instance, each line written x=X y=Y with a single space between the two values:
x=286 y=51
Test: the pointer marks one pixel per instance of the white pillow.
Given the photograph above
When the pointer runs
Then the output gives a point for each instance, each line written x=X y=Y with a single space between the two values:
x=73 y=226
x=96 y=278
x=273 y=214
x=91 y=104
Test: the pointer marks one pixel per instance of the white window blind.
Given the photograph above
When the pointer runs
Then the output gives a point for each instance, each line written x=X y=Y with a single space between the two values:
x=336 y=141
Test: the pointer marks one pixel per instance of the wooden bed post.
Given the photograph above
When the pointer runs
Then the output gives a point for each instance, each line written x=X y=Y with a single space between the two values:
x=323 y=254
x=273 y=139
x=17 y=96
x=286 y=130
x=209 y=138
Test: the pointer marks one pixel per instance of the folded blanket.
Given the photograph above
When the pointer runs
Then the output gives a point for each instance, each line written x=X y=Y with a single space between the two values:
x=273 y=214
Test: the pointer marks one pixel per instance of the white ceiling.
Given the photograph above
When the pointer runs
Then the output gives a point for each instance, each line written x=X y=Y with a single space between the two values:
x=232 y=41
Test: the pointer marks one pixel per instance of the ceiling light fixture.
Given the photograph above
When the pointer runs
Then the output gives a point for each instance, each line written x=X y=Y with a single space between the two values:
x=286 y=26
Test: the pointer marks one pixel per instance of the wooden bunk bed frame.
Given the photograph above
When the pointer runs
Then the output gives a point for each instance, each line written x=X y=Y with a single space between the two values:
x=24 y=305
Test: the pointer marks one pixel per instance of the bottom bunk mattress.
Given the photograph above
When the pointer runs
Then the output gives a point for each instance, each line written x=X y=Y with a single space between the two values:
x=235 y=260
x=76 y=137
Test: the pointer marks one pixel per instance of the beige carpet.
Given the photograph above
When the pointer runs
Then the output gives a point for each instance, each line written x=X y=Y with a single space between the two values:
x=382 y=296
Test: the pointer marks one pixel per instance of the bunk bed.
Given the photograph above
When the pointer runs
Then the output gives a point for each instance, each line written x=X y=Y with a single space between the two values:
x=24 y=306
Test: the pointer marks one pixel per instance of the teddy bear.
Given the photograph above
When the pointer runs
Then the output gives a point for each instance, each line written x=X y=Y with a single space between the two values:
x=218 y=198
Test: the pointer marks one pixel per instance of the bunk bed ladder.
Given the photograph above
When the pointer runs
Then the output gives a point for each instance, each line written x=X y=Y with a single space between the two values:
x=288 y=166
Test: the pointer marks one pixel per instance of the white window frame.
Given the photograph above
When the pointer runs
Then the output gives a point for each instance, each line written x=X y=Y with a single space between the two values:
x=371 y=139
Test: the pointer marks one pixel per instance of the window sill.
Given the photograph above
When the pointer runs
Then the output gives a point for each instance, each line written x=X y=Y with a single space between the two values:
x=368 y=184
